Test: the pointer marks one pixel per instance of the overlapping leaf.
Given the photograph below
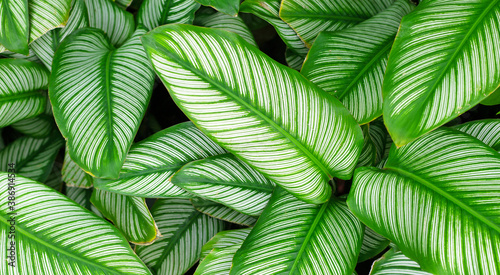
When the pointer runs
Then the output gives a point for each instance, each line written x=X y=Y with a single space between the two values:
x=350 y=64
x=33 y=157
x=229 y=7
x=301 y=238
x=227 y=180
x=438 y=193
x=21 y=83
x=14 y=26
x=184 y=231
x=73 y=175
x=432 y=76
x=45 y=15
x=486 y=130
x=117 y=23
x=222 y=212
x=46 y=45
x=154 y=13
x=269 y=11
x=310 y=17
x=226 y=22
x=129 y=214
x=373 y=243
x=492 y=99
x=217 y=254
x=39 y=126
x=265 y=113
x=395 y=262
x=100 y=116
x=82 y=197
x=151 y=162
x=56 y=234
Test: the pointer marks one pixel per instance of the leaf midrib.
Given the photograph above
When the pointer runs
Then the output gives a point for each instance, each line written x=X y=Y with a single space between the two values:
x=458 y=49
x=446 y=195
x=19 y=96
x=311 y=231
x=226 y=90
x=108 y=102
x=55 y=248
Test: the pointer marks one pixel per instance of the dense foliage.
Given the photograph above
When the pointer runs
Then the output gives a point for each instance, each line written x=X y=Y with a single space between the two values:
x=324 y=137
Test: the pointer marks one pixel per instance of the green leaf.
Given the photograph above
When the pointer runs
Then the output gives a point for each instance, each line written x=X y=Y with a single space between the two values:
x=30 y=57
x=266 y=114
x=227 y=180
x=70 y=238
x=486 y=130
x=438 y=193
x=129 y=214
x=118 y=24
x=154 y=13
x=46 y=45
x=38 y=127
x=226 y=22
x=184 y=232
x=123 y=3
x=14 y=25
x=46 y=15
x=430 y=78
x=369 y=151
x=73 y=175
x=373 y=243
x=222 y=212
x=492 y=99
x=293 y=60
x=395 y=262
x=33 y=157
x=310 y=17
x=21 y=83
x=151 y=162
x=217 y=254
x=381 y=139
x=224 y=239
x=100 y=116
x=350 y=64
x=269 y=10
x=54 y=180
x=229 y=7
x=82 y=197
x=301 y=238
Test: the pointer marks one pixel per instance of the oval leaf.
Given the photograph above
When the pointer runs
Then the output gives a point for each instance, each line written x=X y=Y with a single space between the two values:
x=14 y=26
x=395 y=262
x=266 y=114
x=100 y=116
x=430 y=77
x=154 y=13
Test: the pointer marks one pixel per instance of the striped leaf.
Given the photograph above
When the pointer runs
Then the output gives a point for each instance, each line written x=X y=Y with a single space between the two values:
x=224 y=239
x=486 y=130
x=350 y=64
x=73 y=175
x=100 y=116
x=117 y=23
x=129 y=214
x=45 y=15
x=310 y=17
x=268 y=10
x=184 y=232
x=261 y=111
x=226 y=22
x=381 y=139
x=34 y=157
x=301 y=238
x=123 y=3
x=227 y=180
x=30 y=57
x=54 y=180
x=46 y=45
x=430 y=77
x=229 y=7
x=369 y=151
x=151 y=162
x=438 y=193
x=38 y=127
x=154 y=13
x=293 y=60
x=220 y=252
x=492 y=99
x=14 y=26
x=21 y=83
x=82 y=197
x=222 y=212
x=53 y=233
x=373 y=243
x=395 y=262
